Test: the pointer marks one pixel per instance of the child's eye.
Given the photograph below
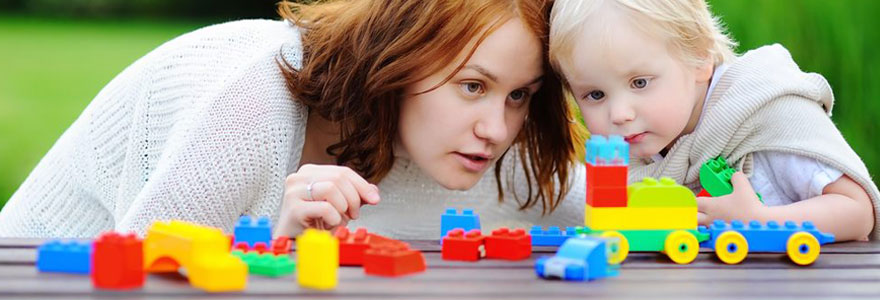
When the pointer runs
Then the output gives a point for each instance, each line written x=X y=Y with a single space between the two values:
x=639 y=83
x=472 y=87
x=595 y=95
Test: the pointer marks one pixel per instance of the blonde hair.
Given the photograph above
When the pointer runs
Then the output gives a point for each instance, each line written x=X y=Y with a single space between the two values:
x=687 y=25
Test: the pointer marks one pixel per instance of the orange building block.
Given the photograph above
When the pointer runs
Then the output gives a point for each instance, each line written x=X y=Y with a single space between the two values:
x=458 y=245
x=606 y=175
x=607 y=196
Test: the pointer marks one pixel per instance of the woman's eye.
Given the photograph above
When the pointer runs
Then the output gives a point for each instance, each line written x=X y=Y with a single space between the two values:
x=595 y=95
x=639 y=83
x=472 y=87
x=519 y=95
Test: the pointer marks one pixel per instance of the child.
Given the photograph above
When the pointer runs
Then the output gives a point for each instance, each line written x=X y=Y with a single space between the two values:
x=663 y=74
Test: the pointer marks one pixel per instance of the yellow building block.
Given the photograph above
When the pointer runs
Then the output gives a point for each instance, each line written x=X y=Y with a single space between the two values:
x=202 y=251
x=317 y=255
x=640 y=218
x=663 y=193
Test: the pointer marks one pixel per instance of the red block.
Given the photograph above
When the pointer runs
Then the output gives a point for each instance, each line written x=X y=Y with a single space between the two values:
x=352 y=246
x=607 y=196
x=281 y=245
x=118 y=262
x=393 y=259
x=606 y=176
x=509 y=244
x=704 y=193
x=458 y=245
x=259 y=247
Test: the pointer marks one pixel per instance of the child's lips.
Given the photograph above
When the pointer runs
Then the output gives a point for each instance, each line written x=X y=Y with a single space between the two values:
x=635 y=138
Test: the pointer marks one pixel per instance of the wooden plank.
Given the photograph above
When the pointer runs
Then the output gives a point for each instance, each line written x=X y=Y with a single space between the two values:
x=498 y=283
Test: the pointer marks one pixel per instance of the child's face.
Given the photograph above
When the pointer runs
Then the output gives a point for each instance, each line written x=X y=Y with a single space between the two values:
x=629 y=83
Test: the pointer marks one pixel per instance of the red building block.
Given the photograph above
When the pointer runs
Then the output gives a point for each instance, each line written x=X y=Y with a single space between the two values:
x=281 y=245
x=607 y=196
x=458 y=245
x=393 y=259
x=352 y=246
x=509 y=244
x=118 y=262
x=606 y=176
x=704 y=193
x=259 y=247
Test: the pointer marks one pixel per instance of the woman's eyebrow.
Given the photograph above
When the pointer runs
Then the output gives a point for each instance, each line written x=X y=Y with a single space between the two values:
x=483 y=71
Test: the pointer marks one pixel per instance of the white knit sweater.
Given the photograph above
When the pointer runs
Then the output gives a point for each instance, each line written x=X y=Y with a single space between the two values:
x=203 y=129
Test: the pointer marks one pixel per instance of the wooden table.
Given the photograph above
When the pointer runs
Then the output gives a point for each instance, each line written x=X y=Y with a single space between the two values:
x=847 y=270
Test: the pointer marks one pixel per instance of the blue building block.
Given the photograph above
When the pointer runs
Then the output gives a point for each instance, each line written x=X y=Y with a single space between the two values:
x=253 y=231
x=553 y=236
x=578 y=259
x=770 y=237
x=450 y=220
x=65 y=257
x=607 y=151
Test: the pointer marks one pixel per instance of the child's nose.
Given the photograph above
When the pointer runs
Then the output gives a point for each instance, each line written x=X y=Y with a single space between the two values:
x=621 y=112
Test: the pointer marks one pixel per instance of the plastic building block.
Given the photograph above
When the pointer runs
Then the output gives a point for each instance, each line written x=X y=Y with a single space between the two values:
x=606 y=175
x=259 y=247
x=393 y=259
x=466 y=246
x=607 y=151
x=318 y=258
x=65 y=257
x=118 y=262
x=607 y=196
x=578 y=259
x=203 y=251
x=451 y=219
x=352 y=246
x=663 y=193
x=553 y=236
x=509 y=244
x=703 y=193
x=281 y=245
x=715 y=175
x=732 y=242
x=253 y=231
x=640 y=218
x=267 y=264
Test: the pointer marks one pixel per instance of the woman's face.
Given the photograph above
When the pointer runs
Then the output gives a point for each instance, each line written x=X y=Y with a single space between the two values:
x=456 y=132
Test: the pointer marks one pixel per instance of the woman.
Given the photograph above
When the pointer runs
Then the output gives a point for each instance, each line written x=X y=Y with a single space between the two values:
x=299 y=119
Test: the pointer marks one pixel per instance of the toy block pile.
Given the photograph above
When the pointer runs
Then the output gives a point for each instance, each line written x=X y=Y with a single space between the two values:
x=463 y=240
x=647 y=205
x=377 y=254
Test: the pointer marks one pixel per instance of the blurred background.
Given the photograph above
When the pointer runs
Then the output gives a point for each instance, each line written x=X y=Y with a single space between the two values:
x=55 y=55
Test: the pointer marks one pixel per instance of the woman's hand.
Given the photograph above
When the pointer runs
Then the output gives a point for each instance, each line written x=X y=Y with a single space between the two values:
x=323 y=197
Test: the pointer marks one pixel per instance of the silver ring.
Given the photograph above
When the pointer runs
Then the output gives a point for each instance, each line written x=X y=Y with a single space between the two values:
x=309 y=189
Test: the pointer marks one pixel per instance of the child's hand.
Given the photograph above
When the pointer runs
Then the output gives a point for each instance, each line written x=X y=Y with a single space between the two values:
x=324 y=197
x=743 y=204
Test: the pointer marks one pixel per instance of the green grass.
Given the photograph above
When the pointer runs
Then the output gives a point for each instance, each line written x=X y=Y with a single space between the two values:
x=50 y=70
x=837 y=39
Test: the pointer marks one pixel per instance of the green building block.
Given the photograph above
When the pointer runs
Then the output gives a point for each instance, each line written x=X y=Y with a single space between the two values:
x=645 y=240
x=267 y=264
x=715 y=177
x=664 y=193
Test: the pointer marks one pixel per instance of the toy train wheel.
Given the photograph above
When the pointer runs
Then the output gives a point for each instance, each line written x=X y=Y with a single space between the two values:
x=681 y=247
x=802 y=248
x=618 y=247
x=731 y=247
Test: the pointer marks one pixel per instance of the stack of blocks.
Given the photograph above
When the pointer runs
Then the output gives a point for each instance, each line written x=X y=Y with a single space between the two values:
x=503 y=243
x=647 y=205
x=451 y=219
x=378 y=255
